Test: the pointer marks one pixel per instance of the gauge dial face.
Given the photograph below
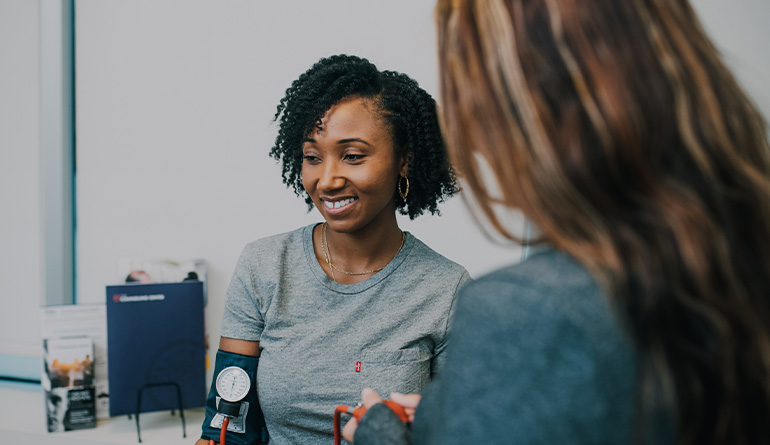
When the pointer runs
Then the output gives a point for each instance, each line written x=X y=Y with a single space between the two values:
x=233 y=384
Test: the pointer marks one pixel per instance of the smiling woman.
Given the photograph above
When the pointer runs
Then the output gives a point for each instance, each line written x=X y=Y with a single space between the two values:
x=354 y=301
x=351 y=168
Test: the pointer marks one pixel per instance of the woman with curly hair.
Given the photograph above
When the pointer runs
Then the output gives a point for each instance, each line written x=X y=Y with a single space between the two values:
x=615 y=127
x=319 y=313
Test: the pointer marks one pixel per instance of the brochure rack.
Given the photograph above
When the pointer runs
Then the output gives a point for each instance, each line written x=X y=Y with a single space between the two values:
x=179 y=404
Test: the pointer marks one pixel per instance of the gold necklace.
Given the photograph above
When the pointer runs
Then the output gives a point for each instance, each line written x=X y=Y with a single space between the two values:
x=332 y=267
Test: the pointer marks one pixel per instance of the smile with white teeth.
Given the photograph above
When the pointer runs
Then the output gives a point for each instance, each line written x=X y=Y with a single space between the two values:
x=338 y=204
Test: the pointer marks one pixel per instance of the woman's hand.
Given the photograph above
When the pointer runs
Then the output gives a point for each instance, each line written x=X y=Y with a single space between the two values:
x=370 y=398
x=408 y=401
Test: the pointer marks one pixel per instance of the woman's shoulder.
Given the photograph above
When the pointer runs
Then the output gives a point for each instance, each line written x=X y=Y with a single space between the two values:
x=550 y=286
x=547 y=320
x=272 y=254
x=546 y=270
x=424 y=256
x=265 y=259
x=277 y=242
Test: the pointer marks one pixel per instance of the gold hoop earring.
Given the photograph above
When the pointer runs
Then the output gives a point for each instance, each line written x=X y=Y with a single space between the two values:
x=400 y=193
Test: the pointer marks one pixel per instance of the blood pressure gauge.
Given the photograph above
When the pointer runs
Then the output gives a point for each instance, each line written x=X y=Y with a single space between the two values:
x=233 y=384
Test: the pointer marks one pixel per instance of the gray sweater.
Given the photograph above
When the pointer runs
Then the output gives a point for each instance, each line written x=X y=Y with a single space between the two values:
x=536 y=356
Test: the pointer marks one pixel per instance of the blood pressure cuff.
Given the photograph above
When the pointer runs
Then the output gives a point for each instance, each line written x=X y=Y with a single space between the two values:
x=253 y=422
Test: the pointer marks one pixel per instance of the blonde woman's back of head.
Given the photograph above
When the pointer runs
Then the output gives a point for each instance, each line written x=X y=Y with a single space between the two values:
x=615 y=126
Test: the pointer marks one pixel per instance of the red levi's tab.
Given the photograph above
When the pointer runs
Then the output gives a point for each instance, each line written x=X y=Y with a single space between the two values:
x=358 y=366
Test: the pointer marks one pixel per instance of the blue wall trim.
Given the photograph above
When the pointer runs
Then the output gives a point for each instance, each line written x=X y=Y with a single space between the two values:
x=21 y=368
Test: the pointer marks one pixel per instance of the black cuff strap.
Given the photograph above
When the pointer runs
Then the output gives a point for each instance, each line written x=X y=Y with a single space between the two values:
x=255 y=429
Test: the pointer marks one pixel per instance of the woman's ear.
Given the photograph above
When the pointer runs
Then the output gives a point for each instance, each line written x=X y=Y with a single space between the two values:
x=404 y=168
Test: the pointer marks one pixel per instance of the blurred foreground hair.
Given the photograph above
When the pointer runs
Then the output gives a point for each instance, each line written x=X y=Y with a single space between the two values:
x=616 y=128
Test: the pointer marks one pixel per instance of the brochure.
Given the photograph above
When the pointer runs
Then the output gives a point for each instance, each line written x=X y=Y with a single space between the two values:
x=83 y=320
x=147 y=271
x=68 y=384
x=155 y=336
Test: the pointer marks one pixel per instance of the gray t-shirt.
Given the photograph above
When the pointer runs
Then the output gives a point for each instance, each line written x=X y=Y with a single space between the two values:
x=323 y=342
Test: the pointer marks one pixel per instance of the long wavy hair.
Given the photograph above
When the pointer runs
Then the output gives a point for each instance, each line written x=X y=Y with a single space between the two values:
x=617 y=129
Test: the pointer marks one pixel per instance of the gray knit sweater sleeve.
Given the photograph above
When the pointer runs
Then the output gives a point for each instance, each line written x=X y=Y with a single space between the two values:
x=382 y=427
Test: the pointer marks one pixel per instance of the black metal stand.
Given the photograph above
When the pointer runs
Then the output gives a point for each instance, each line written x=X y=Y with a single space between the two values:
x=139 y=405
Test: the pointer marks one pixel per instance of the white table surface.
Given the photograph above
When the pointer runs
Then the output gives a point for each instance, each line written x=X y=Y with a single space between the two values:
x=22 y=421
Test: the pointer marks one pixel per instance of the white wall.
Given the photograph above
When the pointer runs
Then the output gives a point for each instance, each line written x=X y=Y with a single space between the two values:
x=20 y=194
x=740 y=31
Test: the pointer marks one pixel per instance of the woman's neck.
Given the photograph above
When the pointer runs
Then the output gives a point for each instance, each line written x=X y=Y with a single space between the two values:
x=352 y=257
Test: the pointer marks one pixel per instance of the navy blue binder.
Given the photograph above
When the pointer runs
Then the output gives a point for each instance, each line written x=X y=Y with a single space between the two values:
x=155 y=334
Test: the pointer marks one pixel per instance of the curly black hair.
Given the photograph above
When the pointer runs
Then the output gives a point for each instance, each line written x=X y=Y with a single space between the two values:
x=410 y=113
